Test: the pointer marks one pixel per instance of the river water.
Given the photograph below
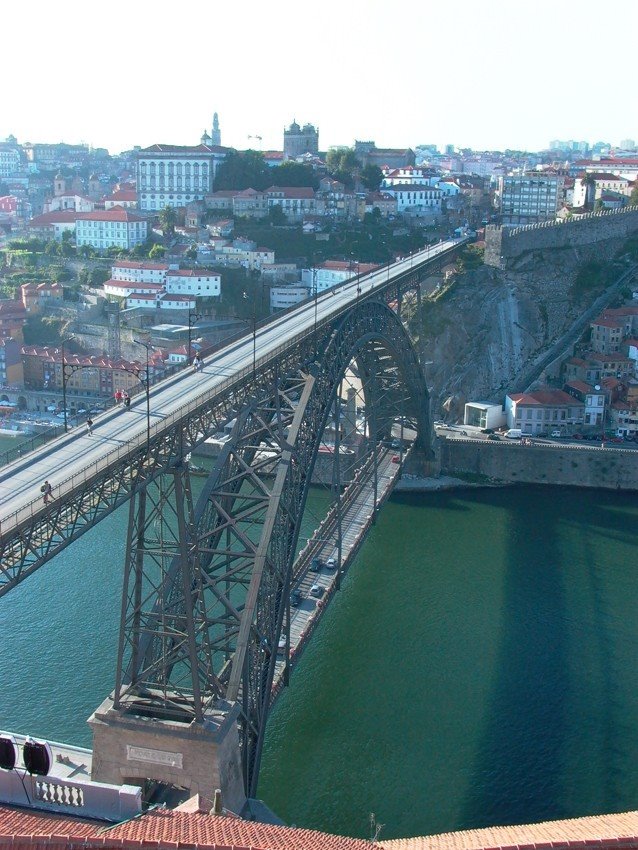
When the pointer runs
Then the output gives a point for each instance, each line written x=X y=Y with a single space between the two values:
x=479 y=666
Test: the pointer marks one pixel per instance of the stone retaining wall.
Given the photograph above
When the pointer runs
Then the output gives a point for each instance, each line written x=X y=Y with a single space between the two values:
x=507 y=243
x=576 y=466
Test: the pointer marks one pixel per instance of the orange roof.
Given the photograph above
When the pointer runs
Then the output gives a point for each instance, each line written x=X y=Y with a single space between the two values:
x=164 y=827
x=114 y=214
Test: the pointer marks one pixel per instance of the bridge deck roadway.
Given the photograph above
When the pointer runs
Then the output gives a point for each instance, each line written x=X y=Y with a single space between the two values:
x=77 y=457
x=357 y=517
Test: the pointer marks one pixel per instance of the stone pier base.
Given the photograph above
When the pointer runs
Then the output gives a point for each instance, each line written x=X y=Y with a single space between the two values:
x=200 y=757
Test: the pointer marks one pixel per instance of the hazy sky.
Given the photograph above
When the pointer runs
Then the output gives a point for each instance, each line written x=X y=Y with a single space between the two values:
x=490 y=74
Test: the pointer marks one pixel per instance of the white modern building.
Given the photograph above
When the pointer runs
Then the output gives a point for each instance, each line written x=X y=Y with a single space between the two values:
x=332 y=272
x=482 y=414
x=105 y=228
x=139 y=272
x=175 y=175
x=415 y=198
x=201 y=283
x=282 y=297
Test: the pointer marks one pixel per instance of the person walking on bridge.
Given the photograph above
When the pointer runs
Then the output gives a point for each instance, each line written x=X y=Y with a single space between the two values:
x=46 y=491
x=89 y=426
x=126 y=399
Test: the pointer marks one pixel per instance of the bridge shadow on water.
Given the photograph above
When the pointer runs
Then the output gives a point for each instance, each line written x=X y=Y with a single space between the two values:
x=542 y=728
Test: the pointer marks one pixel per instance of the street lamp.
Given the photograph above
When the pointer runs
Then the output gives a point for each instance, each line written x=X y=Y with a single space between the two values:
x=315 y=294
x=244 y=295
x=193 y=318
x=64 y=339
x=147 y=383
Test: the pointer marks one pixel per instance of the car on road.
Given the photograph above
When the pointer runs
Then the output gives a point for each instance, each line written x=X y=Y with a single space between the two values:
x=396 y=459
x=295 y=598
x=493 y=437
x=281 y=645
x=556 y=433
x=317 y=590
x=395 y=444
x=577 y=437
x=331 y=564
x=316 y=564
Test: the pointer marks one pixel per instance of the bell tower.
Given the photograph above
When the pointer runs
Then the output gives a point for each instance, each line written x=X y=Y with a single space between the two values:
x=216 y=136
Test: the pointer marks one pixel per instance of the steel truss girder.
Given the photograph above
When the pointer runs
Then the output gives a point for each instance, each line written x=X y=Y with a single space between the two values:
x=234 y=568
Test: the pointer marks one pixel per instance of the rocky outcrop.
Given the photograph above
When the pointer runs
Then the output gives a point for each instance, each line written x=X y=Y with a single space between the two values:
x=490 y=331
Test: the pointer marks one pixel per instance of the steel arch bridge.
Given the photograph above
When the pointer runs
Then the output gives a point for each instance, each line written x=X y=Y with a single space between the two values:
x=206 y=634
x=206 y=596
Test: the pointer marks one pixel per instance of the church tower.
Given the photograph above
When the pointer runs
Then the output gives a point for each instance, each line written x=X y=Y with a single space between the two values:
x=216 y=136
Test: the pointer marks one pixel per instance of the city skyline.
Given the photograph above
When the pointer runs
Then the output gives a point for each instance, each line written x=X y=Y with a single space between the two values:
x=477 y=77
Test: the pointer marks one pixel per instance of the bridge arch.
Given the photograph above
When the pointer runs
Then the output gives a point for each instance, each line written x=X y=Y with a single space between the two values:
x=208 y=633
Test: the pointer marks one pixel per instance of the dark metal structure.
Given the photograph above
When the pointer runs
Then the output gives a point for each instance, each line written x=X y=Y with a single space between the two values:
x=207 y=585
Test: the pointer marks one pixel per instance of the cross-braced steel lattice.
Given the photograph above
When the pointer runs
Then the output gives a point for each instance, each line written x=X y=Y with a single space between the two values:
x=207 y=587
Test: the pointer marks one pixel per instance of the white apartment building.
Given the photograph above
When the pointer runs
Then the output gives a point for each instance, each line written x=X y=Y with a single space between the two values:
x=530 y=198
x=238 y=255
x=139 y=272
x=69 y=201
x=332 y=272
x=282 y=297
x=175 y=175
x=105 y=228
x=416 y=199
x=295 y=201
x=602 y=183
x=125 y=288
x=414 y=174
x=199 y=282
x=151 y=301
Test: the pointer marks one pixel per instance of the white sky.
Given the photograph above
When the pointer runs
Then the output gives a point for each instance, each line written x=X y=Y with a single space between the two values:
x=478 y=73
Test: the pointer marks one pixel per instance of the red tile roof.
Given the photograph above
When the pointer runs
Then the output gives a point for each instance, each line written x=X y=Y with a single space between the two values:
x=57 y=217
x=114 y=214
x=183 y=149
x=543 y=397
x=191 y=273
x=131 y=264
x=165 y=828
x=122 y=195
x=291 y=191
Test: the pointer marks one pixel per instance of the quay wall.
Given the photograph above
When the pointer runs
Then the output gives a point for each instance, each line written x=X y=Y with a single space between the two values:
x=575 y=466
x=503 y=244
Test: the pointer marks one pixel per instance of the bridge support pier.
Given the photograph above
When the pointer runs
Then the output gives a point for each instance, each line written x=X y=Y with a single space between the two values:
x=199 y=757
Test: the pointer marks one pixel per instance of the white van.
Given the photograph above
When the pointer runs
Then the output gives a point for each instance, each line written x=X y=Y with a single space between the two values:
x=514 y=434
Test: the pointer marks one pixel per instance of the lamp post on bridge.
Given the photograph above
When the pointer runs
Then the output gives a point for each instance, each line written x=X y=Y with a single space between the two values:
x=253 y=319
x=193 y=318
x=147 y=384
x=64 y=339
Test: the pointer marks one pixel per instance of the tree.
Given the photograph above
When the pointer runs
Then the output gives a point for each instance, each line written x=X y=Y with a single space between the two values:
x=156 y=252
x=276 y=215
x=371 y=177
x=168 y=220
x=86 y=251
x=633 y=198
x=294 y=174
x=245 y=170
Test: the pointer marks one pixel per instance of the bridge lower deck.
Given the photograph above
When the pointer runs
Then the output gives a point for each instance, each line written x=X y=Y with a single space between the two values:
x=357 y=515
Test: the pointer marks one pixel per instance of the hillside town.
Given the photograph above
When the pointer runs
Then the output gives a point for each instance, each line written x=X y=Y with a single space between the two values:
x=187 y=245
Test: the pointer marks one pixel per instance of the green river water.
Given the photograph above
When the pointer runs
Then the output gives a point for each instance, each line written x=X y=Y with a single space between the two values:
x=478 y=667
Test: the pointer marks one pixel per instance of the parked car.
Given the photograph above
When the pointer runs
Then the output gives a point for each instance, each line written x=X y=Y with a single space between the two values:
x=577 y=437
x=295 y=598
x=492 y=437
x=556 y=433
x=317 y=590
x=487 y=430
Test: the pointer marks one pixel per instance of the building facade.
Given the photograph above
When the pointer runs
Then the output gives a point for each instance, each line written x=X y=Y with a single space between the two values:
x=115 y=227
x=529 y=198
x=175 y=175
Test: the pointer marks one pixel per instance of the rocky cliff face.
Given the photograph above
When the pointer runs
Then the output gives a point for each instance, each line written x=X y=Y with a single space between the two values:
x=486 y=334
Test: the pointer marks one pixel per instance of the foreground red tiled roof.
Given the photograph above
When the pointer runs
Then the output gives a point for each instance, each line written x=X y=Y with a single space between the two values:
x=291 y=191
x=164 y=828
x=191 y=273
x=599 y=831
